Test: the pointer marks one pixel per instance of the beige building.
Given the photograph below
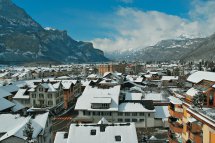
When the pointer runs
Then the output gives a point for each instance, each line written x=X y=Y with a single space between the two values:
x=103 y=68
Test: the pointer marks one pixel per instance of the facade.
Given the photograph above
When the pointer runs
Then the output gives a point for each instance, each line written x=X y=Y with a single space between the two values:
x=103 y=68
x=71 y=90
x=196 y=125
x=169 y=81
x=106 y=101
x=175 y=120
x=47 y=95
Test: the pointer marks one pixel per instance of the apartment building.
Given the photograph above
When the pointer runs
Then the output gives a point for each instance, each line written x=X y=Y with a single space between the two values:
x=105 y=101
x=47 y=94
x=103 y=68
x=195 y=124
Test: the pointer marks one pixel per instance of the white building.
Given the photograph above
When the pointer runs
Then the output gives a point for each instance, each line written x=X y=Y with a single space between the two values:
x=97 y=102
x=47 y=95
x=101 y=132
x=12 y=126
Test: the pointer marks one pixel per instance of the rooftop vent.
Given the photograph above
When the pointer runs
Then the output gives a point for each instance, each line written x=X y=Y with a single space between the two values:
x=93 y=132
x=65 y=135
x=118 y=138
x=102 y=128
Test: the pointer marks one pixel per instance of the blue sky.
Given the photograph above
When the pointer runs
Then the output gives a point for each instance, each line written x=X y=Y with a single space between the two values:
x=78 y=17
x=115 y=24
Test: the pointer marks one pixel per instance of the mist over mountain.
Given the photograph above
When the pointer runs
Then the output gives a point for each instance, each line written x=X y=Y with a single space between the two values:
x=183 y=48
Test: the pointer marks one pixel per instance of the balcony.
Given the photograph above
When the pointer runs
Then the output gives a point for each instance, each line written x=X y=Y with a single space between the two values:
x=195 y=132
x=195 y=137
x=175 y=126
x=173 y=138
x=175 y=114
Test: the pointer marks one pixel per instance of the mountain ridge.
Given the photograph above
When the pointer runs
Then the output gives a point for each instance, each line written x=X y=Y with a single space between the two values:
x=23 y=39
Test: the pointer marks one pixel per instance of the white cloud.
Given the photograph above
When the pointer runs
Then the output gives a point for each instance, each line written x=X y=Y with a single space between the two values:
x=136 y=29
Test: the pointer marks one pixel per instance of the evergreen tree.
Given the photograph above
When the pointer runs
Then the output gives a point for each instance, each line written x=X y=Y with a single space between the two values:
x=28 y=132
x=199 y=99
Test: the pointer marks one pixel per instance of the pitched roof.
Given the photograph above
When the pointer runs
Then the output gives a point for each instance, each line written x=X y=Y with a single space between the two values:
x=201 y=75
x=126 y=131
x=134 y=107
x=161 y=112
x=4 y=93
x=89 y=94
x=5 y=104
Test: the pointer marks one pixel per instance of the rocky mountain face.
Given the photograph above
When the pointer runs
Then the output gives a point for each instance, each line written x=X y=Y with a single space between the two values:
x=166 y=50
x=24 y=40
x=205 y=50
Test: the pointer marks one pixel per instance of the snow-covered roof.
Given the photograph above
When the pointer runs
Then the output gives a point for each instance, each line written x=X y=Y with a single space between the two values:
x=10 y=88
x=133 y=96
x=4 y=93
x=63 y=77
x=48 y=86
x=168 y=78
x=203 y=117
x=201 y=75
x=18 y=106
x=21 y=94
x=174 y=100
x=84 y=101
x=101 y=100
x=5 y=104
x=92 y=76
x=3 y=74
x=138 y=79
x=106 y=73
x=192 y=92
x=85 y=83
x=41 y=119
x=59 y=137
x=126 y=131
x=14 y=124
x=56 y=85
x=133 y=107
x=155 y=96
x=103 y=121
x=161 y=112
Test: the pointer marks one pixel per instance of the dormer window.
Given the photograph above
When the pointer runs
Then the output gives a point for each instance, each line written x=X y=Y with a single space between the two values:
x=118 y=138
x=101 y=103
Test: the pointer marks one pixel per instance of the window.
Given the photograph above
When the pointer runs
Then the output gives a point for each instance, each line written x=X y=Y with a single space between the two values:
x=127 y=114
x=134 y=120
x=141 y=120
x=211 y=98
x=148 y=114
x=49 y=95
x=134 y=114
x=50 y=103
x=127 y=120
x=107 y=113
x=33 y=95
x=41 y=96
x=105 y=106
x=120 y=120
x=40 y=89
x=34 y=103
x=120 y=114
x=141 y=114
x=118 y=138
x=93 y=132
